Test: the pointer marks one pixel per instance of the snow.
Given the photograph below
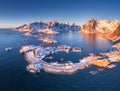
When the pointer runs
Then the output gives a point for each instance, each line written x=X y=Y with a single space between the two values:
x=106 y=25
x=54 y=25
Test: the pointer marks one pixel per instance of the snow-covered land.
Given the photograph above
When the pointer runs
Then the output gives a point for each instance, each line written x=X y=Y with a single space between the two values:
x=42 y=30
x=102 y=26
x=110 y=29
x=48 y=26
x=35 y=56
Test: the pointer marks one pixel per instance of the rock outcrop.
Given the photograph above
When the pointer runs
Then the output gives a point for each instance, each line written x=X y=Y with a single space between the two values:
x=110 y=29
x=89 y=27
x=115 y=35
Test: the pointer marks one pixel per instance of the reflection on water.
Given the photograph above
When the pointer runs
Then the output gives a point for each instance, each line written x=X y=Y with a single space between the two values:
x=14 y=77
x=94 y=42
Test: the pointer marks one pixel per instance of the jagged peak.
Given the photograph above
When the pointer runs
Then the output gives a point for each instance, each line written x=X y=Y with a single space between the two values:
x=50 y=23
x=92 y=19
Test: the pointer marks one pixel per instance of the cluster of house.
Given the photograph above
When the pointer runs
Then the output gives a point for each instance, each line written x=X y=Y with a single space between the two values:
x=108 y=59
x=35 y=54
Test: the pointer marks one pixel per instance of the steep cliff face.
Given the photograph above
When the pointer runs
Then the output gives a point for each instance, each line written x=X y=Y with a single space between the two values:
x=116 y=32
x=110 y=29
x=101 y=26
x=89 y=27
x=115 y=36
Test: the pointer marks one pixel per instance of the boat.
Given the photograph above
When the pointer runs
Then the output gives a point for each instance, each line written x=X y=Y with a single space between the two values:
x=111 y=66
x=93 y=72
x=100 y=69
x=61 y=59
x=8 y=49
x=75 y=49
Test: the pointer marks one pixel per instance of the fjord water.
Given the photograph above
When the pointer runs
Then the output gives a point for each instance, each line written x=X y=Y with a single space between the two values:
x=15 y=77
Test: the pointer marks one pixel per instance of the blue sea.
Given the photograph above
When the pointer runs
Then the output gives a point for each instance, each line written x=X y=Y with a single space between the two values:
x=15 y=77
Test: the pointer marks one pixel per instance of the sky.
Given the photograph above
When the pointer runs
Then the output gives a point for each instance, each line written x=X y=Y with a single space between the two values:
x=18 y=12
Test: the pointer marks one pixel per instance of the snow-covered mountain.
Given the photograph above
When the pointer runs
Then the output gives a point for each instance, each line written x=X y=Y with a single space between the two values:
x=115 y=36
x=111 y=29
x=102 y=26
x=52 y=25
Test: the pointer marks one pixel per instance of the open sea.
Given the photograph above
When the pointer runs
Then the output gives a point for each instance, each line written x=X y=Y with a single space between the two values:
x=15 y=77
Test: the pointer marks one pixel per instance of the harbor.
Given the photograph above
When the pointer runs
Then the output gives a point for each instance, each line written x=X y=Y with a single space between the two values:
x=35 y=55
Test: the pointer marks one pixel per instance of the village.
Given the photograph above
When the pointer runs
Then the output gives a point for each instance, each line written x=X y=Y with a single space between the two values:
x=35 y=54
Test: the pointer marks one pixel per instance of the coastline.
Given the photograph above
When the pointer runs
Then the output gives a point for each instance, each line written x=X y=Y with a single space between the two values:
x=34 y=55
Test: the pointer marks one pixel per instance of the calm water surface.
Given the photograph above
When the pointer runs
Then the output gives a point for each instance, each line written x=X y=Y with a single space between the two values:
x=14 y=77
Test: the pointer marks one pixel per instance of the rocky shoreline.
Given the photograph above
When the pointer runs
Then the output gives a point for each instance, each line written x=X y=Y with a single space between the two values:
x=35 y=54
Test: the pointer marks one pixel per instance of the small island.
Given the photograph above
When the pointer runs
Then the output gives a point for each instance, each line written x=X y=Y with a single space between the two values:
x=35 y=54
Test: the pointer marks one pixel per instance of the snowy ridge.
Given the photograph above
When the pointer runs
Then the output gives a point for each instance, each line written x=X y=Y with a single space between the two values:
x=102 y=26
x=53 y=25
x=110 y=29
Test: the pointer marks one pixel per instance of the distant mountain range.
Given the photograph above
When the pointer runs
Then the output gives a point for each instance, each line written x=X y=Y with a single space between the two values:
x=110 y=29
x=52 y=25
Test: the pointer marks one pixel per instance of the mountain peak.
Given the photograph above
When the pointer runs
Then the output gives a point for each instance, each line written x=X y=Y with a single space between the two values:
x=53 y=25
x=89 y=27
x=111 y=29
